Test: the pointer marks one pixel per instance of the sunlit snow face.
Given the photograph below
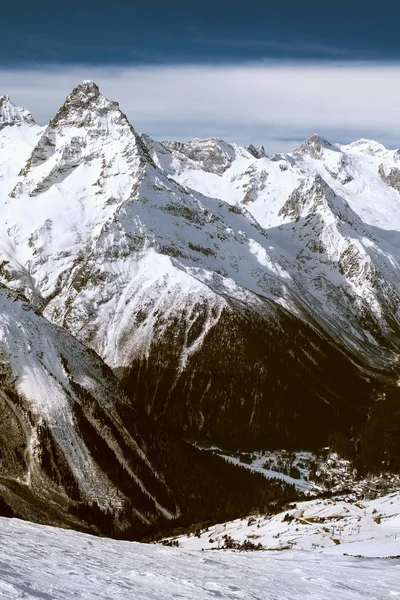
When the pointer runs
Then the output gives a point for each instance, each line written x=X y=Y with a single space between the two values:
x=42 y=558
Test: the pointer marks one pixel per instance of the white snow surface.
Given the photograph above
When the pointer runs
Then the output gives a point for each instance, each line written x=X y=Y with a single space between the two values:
x=53 y=564
x=334 y=526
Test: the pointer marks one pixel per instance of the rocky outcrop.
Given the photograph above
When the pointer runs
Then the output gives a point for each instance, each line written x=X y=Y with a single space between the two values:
x=257 y=152
x=390 y=176
x=314 y=147
x=213 y=155
x=12 y=115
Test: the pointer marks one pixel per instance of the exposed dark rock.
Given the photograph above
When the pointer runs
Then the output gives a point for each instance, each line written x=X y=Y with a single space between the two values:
x=392 y=178
x=314 y=146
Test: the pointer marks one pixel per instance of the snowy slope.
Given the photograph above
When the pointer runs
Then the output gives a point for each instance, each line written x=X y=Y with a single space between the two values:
x=333 y=526
x=170 y=260
x=18 y=136
x=41 y=562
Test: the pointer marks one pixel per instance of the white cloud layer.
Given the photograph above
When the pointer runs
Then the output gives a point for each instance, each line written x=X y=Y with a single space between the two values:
x=275 y=104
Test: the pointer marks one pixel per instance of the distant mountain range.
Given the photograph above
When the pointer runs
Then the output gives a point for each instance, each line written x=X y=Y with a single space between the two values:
x=220 y=293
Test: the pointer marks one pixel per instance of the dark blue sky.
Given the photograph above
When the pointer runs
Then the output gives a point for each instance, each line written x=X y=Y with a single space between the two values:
x=206 y=31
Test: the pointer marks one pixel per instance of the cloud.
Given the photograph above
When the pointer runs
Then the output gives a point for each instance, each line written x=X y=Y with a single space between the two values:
x=293 y=46
x=272 y=103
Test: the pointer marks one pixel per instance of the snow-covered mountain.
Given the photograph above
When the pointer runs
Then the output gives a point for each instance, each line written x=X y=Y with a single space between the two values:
x=330 y=214
x=233 y=293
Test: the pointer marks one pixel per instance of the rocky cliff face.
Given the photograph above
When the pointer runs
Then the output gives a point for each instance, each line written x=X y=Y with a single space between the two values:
x=243 y=298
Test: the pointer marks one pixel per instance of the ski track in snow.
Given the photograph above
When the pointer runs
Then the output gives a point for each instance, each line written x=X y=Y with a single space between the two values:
x=38 y=562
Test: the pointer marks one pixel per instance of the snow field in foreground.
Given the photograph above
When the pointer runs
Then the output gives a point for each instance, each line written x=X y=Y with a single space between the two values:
x=53 y=564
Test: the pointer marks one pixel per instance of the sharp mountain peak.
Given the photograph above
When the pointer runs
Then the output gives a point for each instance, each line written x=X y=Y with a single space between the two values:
x=85 y=103
x=314 y=147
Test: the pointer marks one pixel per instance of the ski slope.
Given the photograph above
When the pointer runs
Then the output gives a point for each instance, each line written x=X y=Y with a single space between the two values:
x=38 y=562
